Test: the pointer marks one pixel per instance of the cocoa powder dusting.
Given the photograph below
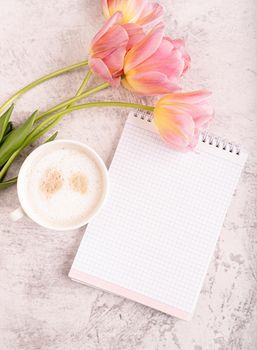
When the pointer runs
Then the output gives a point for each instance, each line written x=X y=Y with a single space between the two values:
x=78 y=183
x=51 y=182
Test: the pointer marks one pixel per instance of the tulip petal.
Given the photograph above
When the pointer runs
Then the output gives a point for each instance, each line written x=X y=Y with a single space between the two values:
x=194 y=141
x=135 y=34
x=115 y=61
x=186 y=97
x=149 y=84
x=176 y=128
x=131 y=10
x=106 y=8
x=134 y=11
x=202 y=113
x=115 y=82
x=100 y=68
x=166 y=60
x=150 y=13
x=115 y=37
x=144 y=48
x=108 y=24
x=180 y=45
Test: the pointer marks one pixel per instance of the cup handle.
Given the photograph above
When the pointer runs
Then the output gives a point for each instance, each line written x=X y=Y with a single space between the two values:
x=17 y=214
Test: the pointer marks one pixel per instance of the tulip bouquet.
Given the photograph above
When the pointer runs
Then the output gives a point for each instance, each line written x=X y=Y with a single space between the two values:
x=122 y=53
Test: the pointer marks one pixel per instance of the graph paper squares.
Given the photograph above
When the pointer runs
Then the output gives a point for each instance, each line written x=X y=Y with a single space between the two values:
x=158 y=230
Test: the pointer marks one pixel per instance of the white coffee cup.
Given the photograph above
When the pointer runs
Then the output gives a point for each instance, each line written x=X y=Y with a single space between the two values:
x=29 y=197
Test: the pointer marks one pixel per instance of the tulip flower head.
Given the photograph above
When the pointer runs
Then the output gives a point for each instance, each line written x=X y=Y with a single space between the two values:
x=134 y=11
x=154 y=65
x=108 y=48
x=180 y=116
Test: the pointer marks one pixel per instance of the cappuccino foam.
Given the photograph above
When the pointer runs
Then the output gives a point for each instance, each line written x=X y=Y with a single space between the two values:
x=64 y=186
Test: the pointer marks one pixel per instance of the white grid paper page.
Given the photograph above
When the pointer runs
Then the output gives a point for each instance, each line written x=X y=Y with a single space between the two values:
x=159 y=226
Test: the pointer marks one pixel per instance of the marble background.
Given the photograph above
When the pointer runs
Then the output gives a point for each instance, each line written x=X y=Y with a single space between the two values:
x=40 y=308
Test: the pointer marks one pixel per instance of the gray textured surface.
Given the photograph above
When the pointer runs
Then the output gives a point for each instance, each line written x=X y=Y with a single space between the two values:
x=40 y=308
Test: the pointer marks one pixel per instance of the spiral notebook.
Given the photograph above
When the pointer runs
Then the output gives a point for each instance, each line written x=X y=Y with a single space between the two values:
x=154 y=238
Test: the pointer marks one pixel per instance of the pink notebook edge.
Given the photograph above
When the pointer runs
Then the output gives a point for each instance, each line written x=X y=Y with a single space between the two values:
x=93 y=281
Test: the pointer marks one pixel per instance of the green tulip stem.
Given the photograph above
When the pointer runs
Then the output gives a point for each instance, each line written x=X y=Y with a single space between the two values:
x=42 y=80
x=61 y=114
x=69 y=102
x=111 y=104
x=8 y=163
x=82 y=86
x=58 y=116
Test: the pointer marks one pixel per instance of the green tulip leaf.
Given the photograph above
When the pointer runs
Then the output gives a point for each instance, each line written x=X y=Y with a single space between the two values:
x=8 y=183
x=4 y=122
x=8 y=130
x=51 y=138
x=15 y=139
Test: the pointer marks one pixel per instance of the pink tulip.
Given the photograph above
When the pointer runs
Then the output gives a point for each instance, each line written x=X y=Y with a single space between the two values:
x=134 y=11
x=135 y=33
x=108 y=49
x=154 y=65
x=180 y=116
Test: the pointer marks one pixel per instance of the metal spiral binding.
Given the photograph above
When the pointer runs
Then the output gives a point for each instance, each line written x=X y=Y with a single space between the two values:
x=219 y=142
x=205 y=136
x=144 y=115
